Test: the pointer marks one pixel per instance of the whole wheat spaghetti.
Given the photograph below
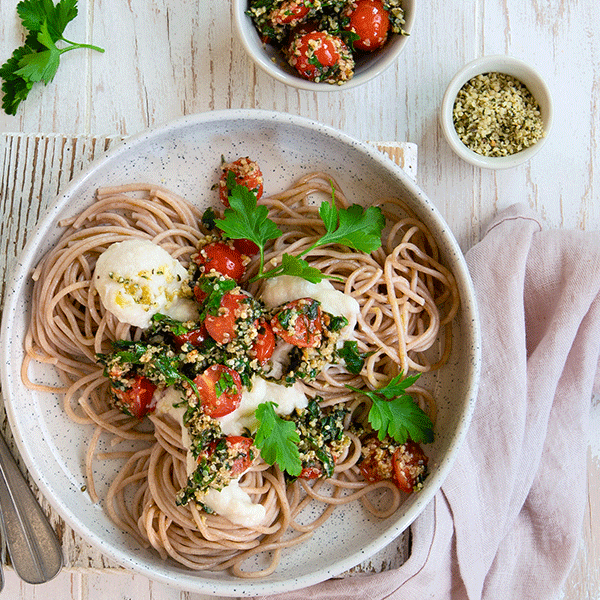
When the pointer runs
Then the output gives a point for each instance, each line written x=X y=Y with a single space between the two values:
x=407 y=301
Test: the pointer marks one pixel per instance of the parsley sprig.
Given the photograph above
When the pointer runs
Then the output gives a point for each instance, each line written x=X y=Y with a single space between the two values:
x=38 y=58
x=395 y=413
x=356 y=227
x=277 y=439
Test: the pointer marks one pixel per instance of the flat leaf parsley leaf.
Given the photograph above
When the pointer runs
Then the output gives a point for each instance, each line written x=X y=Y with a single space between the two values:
x=39 y=57
x=396 y=414
x=356 y=227
x=277 y=439
x=245 y=219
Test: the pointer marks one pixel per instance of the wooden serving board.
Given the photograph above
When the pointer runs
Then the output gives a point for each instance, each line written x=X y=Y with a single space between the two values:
x=36 y=168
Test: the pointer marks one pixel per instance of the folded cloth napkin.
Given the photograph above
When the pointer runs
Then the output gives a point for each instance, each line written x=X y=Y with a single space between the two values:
x=507 y=520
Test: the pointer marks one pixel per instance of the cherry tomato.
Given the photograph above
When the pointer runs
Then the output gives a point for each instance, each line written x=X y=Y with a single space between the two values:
x=289 y=13
x=137 y=399
x=247 y=173
x=409 y=463
x=318 y=55
x=299 y=323
x=221 y=257
x=370 y=469
x=310 y=473
x=220 y=389
x=199 y=294
x=265 y=342
x=239 y=446
x=370 y=21
x=239 y=449
x=245 y=247
x=195 y=337
x=221 y=327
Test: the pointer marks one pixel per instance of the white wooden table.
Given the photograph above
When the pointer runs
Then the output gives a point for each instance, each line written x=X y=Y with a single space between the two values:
x=167 y=58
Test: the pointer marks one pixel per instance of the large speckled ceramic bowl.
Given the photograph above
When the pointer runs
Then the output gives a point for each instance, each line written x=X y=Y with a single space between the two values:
x=184 y=156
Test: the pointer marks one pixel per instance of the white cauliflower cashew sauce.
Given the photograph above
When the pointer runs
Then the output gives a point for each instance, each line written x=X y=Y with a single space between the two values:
x=137 y=279
x=285 y=288
x=232 y=501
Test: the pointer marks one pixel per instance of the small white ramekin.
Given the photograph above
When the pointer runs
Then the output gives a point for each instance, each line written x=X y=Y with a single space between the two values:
x=509 y=66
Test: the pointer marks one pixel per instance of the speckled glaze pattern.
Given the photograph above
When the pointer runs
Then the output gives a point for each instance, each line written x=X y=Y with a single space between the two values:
x=183 y=156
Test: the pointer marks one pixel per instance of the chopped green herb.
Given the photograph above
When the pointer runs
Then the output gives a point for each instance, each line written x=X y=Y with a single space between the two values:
x=354 y=358
x=396 y=414
x=277 y=440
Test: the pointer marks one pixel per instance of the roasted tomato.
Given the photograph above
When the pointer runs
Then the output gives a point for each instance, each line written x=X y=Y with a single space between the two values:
x=406 y=466
x=370 y=21
x=290 y=12
x=220 y=389
x=221 y=327
x=410 y=466
x=299 y=323
x=195 y=337
x=137 y=399
x=240 y=449
x=246 y=247
x=199 y=294
x=265 y=342
x=247 y=173
x=222 y=258
x=375 y=464
x=320 y=56
x=310 y=473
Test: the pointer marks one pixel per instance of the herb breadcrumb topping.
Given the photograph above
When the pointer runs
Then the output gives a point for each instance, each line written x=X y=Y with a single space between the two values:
x=496 y=115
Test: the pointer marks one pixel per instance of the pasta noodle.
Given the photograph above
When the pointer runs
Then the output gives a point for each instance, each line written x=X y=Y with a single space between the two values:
x=407 y=302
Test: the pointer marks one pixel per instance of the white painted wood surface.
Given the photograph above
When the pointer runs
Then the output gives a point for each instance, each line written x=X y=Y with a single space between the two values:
x=167 y=58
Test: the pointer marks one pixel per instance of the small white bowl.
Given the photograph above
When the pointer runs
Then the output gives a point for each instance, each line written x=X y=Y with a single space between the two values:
x=270 y=59
x=509 y=66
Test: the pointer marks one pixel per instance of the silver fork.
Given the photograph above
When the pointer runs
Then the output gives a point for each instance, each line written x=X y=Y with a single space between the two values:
x=32 y=544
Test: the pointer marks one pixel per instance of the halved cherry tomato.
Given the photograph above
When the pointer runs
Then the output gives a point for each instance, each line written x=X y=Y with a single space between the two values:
x=221 y=327
x=409 y=464
x=264 y=343
x=220 y=389
x=199 y=294
x=247 y=173
x=245 y=247
x=310 y=473
x=222 y=258
x=317 y=56
x=241 y=447
x=289 y=13
x=299 y=323
x=376 y=461
x=195 y=337
x=371 y=469
x=137 y=399
x=238 y=447
x=371 y=22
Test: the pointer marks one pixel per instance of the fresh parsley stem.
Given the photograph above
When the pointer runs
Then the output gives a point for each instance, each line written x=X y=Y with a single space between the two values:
x=75 y=45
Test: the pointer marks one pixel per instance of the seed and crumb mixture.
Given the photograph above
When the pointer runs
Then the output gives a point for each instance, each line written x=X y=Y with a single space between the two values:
x=496 y=115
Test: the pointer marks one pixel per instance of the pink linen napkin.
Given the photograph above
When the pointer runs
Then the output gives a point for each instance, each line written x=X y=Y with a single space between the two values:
x=507 y=520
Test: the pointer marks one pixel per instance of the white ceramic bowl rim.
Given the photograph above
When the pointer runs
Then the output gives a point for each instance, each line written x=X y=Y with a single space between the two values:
x=510 y=66
x=250 y=39
x=11 y=349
